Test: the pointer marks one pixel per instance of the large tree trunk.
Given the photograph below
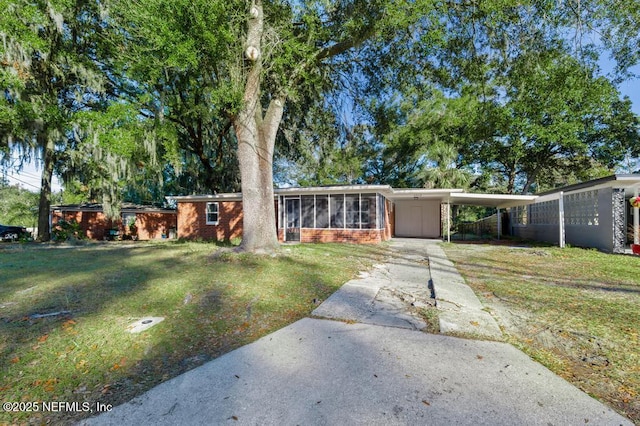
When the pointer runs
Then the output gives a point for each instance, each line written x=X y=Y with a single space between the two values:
x=255 y=156
x=48 y=146
x=256 y=140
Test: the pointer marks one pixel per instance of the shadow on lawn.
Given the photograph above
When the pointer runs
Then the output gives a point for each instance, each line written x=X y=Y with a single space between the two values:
x=46 y=309
x=213 y=317
x=93 y=281
x=551 y=277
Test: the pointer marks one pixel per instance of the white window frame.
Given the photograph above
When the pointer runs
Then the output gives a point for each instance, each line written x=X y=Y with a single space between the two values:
x=208 y=212
x=126 y=218
x=365 y=212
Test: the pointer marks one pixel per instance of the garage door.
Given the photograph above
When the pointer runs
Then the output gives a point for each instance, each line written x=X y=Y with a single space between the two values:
x=418 y=219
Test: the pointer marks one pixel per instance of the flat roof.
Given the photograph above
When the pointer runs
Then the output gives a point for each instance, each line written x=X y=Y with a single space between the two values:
x=124 y=208
x=619 y=181
x=335 y=189
x=227 y=196
x=492 y=200
x=452 y=195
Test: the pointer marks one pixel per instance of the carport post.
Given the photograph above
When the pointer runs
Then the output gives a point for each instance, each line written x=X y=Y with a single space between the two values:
x=499 y=222
x=448 y=221
x=636 y=220
x=561 y=241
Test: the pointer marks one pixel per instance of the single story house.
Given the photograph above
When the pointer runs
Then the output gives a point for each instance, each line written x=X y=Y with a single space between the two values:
x=591 y=214
x=149 y=222
x=348 y=213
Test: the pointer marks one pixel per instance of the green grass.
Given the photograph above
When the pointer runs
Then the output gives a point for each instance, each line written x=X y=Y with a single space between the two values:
x=574 y=310
x=211 y=305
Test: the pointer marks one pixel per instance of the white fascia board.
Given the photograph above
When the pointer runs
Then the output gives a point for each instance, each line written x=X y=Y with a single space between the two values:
x=549 y=197
x=236 y=196
x=342 y=189
x=423 y=194
x=493 y=200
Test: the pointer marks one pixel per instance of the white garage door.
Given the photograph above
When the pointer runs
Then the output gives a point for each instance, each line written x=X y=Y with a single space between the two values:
x=418 y=219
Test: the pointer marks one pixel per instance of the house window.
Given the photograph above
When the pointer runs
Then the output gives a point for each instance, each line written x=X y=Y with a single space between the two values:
x=352 y=203
x=128 y=219
x=307 y=211
x=212 y=213
x=337 y=211
x=380 y=212
x=322 y=211
x=368 y=211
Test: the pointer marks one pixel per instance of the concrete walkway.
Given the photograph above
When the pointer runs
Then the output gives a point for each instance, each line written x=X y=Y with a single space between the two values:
x=376 y=367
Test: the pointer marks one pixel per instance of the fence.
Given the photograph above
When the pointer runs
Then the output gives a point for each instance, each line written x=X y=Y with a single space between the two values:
x=487 y=227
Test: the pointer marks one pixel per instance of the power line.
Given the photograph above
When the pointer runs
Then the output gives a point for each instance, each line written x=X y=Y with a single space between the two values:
x=23 y=182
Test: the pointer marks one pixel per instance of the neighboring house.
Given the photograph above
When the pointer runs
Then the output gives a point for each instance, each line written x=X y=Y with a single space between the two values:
x=149 y=222
x=593 y=214
x=353 y=213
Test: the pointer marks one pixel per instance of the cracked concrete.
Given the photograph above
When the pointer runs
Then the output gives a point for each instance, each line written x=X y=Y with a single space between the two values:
x=386 y=296
x=319 y=372
x=461 y=313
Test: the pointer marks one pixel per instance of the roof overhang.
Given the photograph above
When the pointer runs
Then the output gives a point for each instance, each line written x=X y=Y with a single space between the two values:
x=386 y=190
x=231 y=196
x=458 y=196
x=337 y=189
x=628 y=182
x=492 y=200
x=453 y=196
x=125 y=208
x=422 y=194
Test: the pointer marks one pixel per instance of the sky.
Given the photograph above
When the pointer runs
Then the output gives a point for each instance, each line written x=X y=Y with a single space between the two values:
x=29 y=178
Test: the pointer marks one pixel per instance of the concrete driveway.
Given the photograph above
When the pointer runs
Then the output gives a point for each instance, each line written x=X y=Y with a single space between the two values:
x=363 y=359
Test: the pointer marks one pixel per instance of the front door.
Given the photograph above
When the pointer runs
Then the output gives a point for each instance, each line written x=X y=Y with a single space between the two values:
x=292 y=221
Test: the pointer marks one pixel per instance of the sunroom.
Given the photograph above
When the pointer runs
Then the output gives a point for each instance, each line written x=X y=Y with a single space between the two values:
x=358 y=213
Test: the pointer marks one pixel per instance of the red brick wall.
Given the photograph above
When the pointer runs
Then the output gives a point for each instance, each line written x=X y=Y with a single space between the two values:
x=95 y=224
x=152 y=226
x=389 y=221
x=358 y=236
x=192 y=221
x=192 y=225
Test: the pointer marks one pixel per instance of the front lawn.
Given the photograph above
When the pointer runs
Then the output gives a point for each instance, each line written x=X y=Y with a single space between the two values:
x=64 y=313
x=576 y=311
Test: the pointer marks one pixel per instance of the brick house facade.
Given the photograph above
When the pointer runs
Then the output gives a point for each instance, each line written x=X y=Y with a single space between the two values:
x=364 y=215
x=194 y=222
x=150 y=223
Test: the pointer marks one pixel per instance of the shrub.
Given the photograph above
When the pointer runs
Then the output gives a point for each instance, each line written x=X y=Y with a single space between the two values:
x=67 y=230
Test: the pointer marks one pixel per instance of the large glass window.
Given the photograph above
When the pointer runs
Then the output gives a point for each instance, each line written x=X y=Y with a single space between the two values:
x=352 y=205
x=322 y=211
x=308 y=211
x=381 y=212
x=128 y=219
x=368 y=211
x=340 y=211
x=337 y=211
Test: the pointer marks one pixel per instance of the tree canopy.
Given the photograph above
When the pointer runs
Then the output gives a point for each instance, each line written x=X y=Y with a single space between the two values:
x=204 y=95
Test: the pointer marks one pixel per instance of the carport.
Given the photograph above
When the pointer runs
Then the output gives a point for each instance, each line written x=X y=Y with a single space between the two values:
x=418 y=212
